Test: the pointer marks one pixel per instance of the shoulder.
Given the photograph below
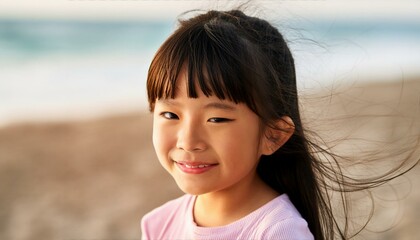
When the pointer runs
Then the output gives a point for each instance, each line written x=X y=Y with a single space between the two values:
x=286 y=221
x=290 y=228
x=158 y=221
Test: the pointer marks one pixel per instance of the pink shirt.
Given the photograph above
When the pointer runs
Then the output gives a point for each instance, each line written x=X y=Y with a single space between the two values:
x=278 y=219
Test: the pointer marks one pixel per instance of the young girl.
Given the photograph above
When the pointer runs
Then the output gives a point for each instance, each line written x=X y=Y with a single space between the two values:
x=222 y=89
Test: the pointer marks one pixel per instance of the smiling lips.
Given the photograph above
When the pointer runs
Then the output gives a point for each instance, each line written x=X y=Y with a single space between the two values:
x=194 y=168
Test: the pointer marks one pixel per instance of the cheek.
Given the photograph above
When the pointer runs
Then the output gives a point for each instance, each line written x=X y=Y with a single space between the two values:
x=155 y=137
x=162 y=139
x=242 y=143
x=161 y=147
x=158 y=139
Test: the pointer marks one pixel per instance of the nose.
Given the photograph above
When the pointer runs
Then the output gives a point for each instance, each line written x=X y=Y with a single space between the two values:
x=191 y=137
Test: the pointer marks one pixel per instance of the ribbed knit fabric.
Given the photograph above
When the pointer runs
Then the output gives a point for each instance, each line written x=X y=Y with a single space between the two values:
x=277 y=220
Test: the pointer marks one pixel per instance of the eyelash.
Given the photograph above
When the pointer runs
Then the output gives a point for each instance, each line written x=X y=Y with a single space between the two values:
x=173 y=116
x=219 y=120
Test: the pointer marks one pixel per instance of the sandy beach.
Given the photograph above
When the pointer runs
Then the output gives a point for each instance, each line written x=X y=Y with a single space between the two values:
x=95 y=179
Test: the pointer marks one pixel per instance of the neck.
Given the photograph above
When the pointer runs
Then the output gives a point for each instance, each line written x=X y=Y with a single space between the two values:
x=228 y=205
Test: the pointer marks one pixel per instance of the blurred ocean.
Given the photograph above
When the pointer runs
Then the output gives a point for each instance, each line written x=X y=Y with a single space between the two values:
x=58 y=69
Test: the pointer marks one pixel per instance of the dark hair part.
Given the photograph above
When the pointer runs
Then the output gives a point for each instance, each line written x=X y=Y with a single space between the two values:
x=246 y=60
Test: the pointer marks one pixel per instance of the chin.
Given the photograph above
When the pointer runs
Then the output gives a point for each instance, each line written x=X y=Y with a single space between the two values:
x=193 y=190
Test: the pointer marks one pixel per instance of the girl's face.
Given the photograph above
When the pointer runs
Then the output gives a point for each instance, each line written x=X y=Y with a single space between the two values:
x=205 y=143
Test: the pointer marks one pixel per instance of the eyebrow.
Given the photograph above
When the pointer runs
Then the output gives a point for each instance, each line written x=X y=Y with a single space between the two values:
x=168 y=101
x=216 y=105
x=221 y=106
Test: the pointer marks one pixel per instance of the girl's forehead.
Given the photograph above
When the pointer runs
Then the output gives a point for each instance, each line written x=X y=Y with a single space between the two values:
x=200 y=82
x=183 y=82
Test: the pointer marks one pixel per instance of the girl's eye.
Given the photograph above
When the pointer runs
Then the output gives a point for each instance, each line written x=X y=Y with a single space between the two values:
x=169 y=115
x=219 y=120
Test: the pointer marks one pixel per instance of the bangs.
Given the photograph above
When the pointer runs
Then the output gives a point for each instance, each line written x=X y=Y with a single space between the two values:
x=215 y=58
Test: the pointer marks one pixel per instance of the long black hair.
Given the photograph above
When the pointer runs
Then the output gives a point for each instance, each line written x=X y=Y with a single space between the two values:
x=246 y=60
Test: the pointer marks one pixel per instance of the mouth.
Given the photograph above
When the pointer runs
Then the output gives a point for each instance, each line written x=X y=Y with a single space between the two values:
x=194 y=167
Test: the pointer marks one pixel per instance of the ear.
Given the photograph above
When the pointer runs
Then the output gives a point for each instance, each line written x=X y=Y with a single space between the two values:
x=274 y=138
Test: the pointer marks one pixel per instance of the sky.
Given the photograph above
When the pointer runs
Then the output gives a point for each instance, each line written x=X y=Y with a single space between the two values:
x=73 y=84
x=169 y=9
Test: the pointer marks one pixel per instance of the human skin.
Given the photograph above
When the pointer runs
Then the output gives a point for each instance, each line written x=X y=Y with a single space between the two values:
x=211 y=147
